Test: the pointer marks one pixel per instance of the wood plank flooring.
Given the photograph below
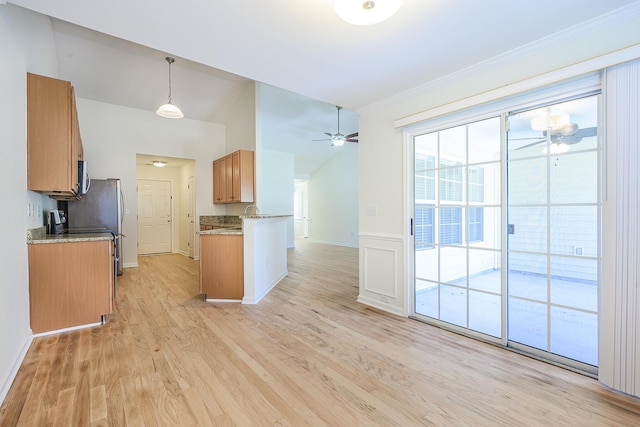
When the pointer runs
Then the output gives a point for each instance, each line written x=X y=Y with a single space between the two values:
x=307 y=354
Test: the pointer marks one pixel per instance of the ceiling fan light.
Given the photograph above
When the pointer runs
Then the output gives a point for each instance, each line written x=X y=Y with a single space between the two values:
x=556 y=148
x=169 y=111
x=363 y=12
x=550 y=121
x=159 y=163
x=338 y=141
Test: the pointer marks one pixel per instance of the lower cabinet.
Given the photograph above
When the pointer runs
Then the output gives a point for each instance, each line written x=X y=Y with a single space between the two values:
x=222 y=266
x=70 y=284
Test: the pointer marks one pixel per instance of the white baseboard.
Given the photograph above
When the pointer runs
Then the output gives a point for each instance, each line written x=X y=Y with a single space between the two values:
x=380 y=305
x=130 y=265
x=257 y=298
x=326 y=242
x=7 y=381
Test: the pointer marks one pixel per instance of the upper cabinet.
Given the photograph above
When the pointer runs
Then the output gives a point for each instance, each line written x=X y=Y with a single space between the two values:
x=219 y=181
x=233 y=178
x=54 y=145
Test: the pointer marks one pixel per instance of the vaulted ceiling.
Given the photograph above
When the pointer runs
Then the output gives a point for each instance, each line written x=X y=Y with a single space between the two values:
x=114 y=51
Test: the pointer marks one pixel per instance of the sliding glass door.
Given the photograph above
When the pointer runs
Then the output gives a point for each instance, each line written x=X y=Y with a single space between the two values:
x=545 y=303
x=457 y=226
x=553 y=229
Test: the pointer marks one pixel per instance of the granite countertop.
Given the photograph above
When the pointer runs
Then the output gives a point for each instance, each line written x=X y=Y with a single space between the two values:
x=70 y=238
x=220 y=220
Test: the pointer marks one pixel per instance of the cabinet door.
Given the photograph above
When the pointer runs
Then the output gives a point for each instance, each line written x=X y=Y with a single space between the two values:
x=76 y=150
x=221 y=266
x=244 y=176
x=235 y=177
x=228 y=173
x=219 y=181
x=49 y=144
x=70 y=284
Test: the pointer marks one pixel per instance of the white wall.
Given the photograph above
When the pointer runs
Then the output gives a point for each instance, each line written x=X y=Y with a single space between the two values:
x=277 y=187
x=381 y=153
x=112 y=136
x=26 y=42
x=333 y=199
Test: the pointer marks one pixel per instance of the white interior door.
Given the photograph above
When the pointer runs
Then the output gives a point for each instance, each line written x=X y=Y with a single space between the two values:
x=191 y=217
x=154 y=217
x=301 y=208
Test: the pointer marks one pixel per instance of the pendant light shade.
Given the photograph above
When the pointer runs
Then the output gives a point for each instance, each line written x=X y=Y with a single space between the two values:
x=169 y=110
x=366 y=12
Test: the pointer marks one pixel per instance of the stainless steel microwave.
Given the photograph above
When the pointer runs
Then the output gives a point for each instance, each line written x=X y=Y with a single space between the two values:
x=84 y=180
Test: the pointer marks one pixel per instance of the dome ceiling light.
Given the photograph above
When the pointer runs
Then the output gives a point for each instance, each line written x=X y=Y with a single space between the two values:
x=366 y=12
x=169 y=110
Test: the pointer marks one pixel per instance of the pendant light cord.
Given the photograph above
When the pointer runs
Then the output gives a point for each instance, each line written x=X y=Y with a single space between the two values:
x=170 y=61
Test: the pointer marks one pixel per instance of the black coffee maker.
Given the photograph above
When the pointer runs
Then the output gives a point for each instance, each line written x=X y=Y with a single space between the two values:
x=56 y=222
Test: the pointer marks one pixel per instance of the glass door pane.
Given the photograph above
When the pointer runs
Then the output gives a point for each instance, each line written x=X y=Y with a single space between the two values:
x=553 y=232
x=457 y=226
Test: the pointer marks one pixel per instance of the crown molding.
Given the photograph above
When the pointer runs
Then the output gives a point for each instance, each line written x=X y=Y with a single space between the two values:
x=594 y=25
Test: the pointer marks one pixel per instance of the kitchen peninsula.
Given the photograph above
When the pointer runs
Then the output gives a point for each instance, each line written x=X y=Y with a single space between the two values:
x=243 y=257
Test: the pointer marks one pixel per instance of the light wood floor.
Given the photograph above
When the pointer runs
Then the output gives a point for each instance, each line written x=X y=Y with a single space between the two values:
x=307 y=354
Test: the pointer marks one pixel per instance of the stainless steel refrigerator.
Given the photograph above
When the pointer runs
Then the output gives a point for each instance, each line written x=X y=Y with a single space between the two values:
x=99 y=211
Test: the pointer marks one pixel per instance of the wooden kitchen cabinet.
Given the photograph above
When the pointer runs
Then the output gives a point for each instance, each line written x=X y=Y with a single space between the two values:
x=219 y=181
x=54 y=145
x=70 y=284
x=222 y=266
x=233 y=178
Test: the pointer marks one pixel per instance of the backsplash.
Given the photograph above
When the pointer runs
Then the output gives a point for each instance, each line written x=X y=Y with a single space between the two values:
x=36 y=233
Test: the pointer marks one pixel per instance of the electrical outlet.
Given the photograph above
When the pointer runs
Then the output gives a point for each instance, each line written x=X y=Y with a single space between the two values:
x=384 y=299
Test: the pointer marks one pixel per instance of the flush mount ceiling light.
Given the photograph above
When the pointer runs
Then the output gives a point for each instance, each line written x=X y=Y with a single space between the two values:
x=169 y=110
x=159 y=163
x=361 y=12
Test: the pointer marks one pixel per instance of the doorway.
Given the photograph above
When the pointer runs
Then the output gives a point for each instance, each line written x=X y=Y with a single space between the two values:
x=528 y=200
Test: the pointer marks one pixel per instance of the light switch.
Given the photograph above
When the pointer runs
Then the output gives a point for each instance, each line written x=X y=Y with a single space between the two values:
x=371 y=211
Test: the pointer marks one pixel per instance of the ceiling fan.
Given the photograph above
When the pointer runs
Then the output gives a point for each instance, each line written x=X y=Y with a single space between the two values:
x=337 y=139
x=568 y=134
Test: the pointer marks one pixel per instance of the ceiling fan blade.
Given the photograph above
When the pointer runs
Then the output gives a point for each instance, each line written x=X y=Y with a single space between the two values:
x=329 y=134
x=577 y=137
x=351 y=140
x=326 y=139
x=351 y=135
x=586 y=132
x=540 y=141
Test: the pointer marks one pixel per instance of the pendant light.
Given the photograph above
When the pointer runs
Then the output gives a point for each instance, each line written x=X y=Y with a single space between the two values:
x=366 y=12
x=169 y=110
